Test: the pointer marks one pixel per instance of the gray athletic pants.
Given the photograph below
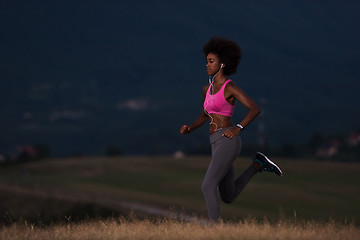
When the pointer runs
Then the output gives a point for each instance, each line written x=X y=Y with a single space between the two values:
x=220 y=173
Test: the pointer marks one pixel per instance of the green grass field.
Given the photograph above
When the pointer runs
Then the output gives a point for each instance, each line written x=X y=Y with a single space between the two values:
x=309 y=190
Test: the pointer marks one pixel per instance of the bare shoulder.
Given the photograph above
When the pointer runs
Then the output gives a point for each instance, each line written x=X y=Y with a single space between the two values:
x=232 y=87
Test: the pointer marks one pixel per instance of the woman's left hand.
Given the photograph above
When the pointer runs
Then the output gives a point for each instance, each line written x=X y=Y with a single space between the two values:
x=232 y=132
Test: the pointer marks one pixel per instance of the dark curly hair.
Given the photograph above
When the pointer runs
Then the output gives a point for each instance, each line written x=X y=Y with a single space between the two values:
x=229 y=53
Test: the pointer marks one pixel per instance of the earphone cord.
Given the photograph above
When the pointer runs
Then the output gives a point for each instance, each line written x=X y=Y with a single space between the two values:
x=211 y=81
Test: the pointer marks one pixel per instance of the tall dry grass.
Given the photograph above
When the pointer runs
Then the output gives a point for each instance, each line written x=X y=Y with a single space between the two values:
x=162 y=229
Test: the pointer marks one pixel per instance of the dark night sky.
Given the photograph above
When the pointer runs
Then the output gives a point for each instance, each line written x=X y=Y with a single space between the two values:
x=83 y=75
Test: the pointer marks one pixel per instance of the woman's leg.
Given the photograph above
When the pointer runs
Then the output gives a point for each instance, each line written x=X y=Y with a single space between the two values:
x=230 y=189
x=224 y=152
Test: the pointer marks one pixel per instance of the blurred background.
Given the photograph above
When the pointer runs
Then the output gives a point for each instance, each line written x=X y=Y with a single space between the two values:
x=81 y=81
x=120 y=77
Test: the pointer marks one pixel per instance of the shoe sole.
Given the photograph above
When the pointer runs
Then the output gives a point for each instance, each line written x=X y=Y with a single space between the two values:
x=277 y=169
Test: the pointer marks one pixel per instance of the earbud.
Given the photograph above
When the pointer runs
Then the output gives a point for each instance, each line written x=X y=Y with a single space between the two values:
x=222 y=65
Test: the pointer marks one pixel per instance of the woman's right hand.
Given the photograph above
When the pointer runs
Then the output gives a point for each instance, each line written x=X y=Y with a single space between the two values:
x=185 y=129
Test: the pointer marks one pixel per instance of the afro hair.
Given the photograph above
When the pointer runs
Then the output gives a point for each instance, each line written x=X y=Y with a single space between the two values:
x=229 y=53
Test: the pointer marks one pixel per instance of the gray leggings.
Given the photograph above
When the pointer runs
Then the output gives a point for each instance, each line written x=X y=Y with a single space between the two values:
x=220 y=173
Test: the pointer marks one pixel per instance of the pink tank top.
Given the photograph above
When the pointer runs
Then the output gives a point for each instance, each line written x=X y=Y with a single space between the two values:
x=217 y=103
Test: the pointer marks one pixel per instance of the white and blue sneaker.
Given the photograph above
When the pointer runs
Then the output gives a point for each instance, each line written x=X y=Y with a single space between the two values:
x=266 y=164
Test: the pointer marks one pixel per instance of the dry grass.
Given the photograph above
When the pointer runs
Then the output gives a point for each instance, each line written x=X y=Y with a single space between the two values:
x=169 y=229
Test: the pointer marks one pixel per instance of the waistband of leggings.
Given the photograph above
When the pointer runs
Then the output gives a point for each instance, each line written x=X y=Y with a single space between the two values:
x=218 y=134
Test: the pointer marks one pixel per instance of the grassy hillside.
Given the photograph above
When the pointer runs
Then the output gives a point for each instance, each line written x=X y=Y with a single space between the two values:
x=58 y=189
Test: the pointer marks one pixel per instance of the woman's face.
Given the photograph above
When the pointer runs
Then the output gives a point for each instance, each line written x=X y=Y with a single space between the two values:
x=212 y=64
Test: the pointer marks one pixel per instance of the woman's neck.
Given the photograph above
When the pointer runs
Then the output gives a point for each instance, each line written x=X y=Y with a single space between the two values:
x=221 y=79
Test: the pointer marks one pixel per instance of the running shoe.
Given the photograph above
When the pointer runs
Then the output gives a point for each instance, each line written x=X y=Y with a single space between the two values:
x=266 y=164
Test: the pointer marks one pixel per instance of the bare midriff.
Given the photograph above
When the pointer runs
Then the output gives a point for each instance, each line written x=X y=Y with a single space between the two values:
x=220 y=121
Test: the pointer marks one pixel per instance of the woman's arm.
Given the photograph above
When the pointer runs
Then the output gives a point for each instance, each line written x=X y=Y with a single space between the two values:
x=246 y=101
x=200 y=120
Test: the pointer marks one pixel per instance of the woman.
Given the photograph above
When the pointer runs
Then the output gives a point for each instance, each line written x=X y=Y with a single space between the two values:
x=219 y=97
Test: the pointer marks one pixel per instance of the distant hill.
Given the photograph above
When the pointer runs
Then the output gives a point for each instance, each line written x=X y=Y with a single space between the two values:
x=83 y=76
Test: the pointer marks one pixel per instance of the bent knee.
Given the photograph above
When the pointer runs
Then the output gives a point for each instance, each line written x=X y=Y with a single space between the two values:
x=207 y=188
x=225 y=196
x=226 y=199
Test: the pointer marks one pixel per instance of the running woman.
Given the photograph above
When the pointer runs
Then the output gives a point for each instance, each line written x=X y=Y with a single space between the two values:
x=219 y=97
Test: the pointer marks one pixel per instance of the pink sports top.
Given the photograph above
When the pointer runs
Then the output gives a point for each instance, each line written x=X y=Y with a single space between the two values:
x=217 y=103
